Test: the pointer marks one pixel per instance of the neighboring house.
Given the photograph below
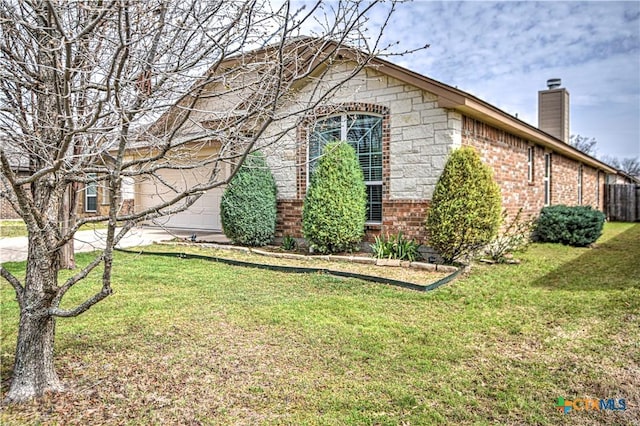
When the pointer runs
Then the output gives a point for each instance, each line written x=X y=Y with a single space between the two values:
x=91 y=200
x=623 y=178
x=20 y=166
x=404 y=126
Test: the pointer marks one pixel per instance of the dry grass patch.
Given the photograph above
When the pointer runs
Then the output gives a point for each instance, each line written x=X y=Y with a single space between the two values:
x=195 y=342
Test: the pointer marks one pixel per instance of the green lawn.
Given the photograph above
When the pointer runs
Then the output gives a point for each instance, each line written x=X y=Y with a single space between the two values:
x=193 y=342
x=17 y=228
x=12 y=228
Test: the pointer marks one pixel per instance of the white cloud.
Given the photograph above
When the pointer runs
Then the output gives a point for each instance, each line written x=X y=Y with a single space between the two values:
x=503 y=52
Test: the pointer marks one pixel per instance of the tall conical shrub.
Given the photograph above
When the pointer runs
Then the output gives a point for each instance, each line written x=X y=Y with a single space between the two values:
x=465 y=212
x=248 y=205
x=335 y=207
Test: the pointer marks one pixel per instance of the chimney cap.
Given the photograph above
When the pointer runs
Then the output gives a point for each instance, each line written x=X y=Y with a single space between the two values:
x=554 y=83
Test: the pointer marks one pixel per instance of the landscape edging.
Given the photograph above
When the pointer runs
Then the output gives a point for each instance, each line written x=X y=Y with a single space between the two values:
x=300 y=269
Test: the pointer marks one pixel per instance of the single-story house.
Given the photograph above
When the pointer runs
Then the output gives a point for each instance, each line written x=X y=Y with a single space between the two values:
x=404 y=125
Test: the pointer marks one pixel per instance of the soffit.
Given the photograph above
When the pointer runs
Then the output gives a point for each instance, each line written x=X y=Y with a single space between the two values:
x=467 y=104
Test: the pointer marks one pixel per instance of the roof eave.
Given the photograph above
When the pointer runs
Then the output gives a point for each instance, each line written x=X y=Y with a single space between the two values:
x=453 y=98
x=513 y=125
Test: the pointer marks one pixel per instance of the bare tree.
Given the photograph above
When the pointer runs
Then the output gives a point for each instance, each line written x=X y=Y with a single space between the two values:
x=584 y=144
x=629 y=165
x=104 y=92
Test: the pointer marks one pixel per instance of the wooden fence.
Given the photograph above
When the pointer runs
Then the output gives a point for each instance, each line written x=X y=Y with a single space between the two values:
x=622 y=202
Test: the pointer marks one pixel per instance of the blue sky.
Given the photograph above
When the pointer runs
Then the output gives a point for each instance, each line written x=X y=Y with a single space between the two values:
x=504 y=52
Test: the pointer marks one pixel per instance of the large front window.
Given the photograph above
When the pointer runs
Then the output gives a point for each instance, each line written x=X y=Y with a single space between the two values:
x=364 y=134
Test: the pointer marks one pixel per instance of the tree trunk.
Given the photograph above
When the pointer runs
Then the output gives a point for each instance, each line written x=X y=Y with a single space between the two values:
x=33 y=369
x=67 y=221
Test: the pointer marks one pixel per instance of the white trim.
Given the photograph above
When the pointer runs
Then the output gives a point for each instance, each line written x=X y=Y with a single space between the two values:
x=128 y=189
x=531 y=155
x=547 y=178
x=104 y=199
x=91 y=185
x=580 y=177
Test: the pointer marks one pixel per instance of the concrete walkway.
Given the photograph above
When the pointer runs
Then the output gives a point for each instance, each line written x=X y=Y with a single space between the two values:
x=15 y=249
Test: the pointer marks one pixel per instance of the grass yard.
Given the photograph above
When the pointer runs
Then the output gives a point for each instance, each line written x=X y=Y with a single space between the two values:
x=17 y=228
x=410 y=275
x=12 y=228
x=193 y=342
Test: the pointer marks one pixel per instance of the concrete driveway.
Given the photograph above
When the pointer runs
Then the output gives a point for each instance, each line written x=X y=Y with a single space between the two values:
x=15 y=249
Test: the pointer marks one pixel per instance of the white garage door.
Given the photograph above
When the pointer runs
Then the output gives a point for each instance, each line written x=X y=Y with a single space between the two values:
x=203 y=214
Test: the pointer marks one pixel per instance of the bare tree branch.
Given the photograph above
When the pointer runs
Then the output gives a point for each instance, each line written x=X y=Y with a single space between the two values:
x=15 y=283
x=97 y=92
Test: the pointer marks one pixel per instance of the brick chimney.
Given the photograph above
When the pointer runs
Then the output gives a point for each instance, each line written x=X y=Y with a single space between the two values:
x=553 y=110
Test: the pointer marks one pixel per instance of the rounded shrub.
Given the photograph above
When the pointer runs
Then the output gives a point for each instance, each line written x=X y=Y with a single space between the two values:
x=248 y=205
x=576 y=226
x=465 y=212
x=334 y=211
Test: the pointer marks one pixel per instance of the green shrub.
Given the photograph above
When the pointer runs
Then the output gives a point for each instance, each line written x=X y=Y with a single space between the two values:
x=465 y=210
x=576 y=226
x=395 y=247
x=334 y=211
x=248 y=205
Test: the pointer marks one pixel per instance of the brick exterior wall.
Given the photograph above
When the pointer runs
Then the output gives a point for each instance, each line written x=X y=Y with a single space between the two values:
x=418 y=137
x=6 y=211
x=102 y=206
x=507 y=155
x=289 y=218
x=564 y=181
x=126 y=207
x=405 y=215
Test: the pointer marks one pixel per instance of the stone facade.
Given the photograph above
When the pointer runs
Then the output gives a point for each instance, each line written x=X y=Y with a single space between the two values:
x=417 y=137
